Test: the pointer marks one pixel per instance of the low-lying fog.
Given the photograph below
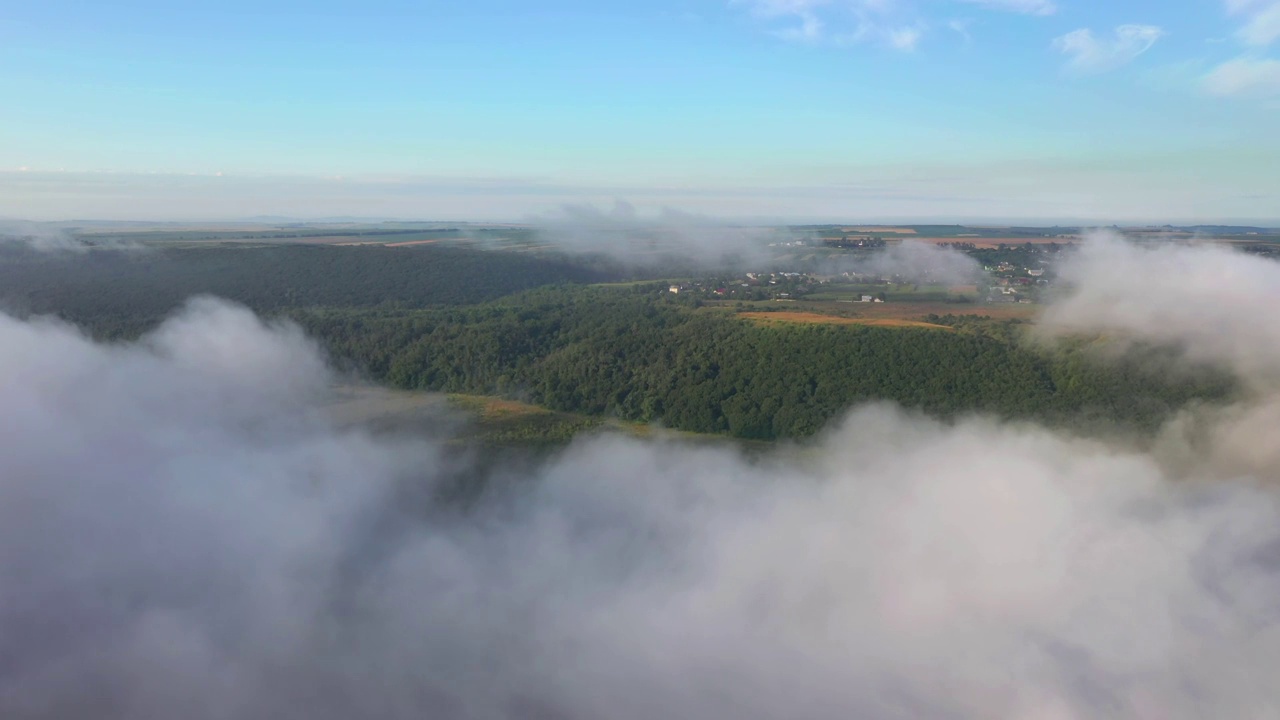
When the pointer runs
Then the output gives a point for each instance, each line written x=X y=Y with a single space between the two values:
x=187 y=532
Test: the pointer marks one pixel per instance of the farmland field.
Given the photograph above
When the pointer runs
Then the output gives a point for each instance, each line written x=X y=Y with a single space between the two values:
x=990 y=243
x=417 y=242
x=917 y=310
x=903 y=293
x=880 y=229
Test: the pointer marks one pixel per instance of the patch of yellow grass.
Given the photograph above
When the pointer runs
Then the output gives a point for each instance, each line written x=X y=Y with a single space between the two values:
x=809 y=318
x=495 y=408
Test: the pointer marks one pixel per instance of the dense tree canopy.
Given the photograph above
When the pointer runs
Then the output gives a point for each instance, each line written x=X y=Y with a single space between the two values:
x=640 y=356
x=117 y=293
x=465 y=321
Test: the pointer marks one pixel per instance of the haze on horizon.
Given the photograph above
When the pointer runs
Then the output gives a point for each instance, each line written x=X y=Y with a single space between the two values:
x=884 y=110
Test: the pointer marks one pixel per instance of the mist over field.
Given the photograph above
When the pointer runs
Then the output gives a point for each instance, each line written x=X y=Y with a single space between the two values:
x=688 y=242
x=636 y=238
x=38 y=236
x=915 y=259
x=185 y=532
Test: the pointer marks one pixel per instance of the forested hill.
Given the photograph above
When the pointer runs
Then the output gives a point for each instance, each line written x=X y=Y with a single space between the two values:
x=436 y=318
x=641 y=355
x=120 y=293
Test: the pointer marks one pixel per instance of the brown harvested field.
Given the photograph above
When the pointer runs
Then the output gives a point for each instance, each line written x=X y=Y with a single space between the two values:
x=808 y=318
x=352 y=240
x=417 y=242
x=329 y=240
x=990 y=243
x=880 y=229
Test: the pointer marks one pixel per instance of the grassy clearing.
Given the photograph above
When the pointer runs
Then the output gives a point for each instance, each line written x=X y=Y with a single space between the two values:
x=496 y=408
x=499 y=421
x=503 y=422
x=808 y=318
x=468 y=419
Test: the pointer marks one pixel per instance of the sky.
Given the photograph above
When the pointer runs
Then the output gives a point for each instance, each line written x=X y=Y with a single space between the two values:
x=889 y=110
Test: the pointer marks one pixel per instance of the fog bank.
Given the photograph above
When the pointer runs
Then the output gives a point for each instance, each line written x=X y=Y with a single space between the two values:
x=644 y=240
x=185 y=532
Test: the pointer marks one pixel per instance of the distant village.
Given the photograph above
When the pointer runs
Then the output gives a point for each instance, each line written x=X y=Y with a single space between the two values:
x=1005 y=274
x=1014 y=273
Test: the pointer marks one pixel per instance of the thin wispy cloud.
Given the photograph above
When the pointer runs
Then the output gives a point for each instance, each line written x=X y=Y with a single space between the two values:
x=809 y=30
x=1089 y=54
x=905 y=38
x=1244 y=77
x=897 y=24
x=802 y=16
x=1026 y=7
x=1249 y=75
x=961 y=28
x=1261 y=20
x=840 y=23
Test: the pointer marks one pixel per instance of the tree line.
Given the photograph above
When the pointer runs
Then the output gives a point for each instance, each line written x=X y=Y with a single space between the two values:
x=527 y=327
x=118 y=294
x=638 y=355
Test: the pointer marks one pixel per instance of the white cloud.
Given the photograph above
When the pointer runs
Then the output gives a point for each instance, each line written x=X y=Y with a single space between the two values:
x=1090 y=54
x=961 y=27
x=1213 y=285
x=1262 y=20
x=809 y=30
x=804 y=13
x=1249 y=76
x=905 y=38
x=1026 y=7
x=782 y=8
x=883 y=22
x=646 y=238
x=184 y=535
x=1244 y=76
x=37 y=235
x=897 y=24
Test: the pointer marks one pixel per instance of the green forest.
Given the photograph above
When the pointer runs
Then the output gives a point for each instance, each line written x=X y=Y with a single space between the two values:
x=119 y=294
x=534 y=329
x=637 y=355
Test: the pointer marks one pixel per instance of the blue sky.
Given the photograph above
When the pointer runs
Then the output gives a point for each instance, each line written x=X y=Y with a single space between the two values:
x=497 y=109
